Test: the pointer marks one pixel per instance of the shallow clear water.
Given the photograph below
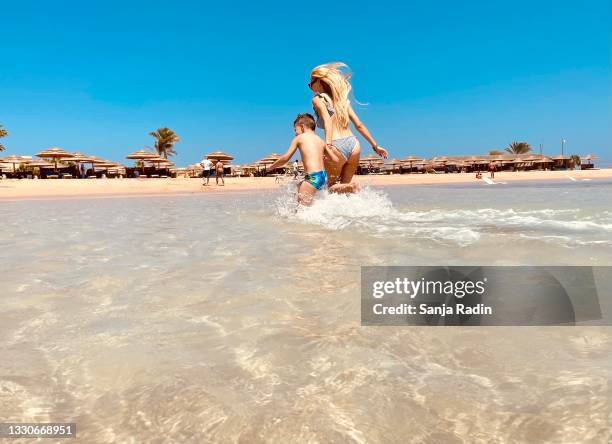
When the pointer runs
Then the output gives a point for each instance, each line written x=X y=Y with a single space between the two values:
x=232 y=318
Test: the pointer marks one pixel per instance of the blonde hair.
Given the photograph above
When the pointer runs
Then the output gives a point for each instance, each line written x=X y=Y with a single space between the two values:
x=336 y=84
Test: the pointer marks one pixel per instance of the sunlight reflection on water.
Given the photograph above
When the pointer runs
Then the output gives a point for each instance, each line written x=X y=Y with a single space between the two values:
x=232 y=318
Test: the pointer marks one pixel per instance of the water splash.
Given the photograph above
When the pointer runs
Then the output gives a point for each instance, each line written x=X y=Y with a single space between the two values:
x=372 y=212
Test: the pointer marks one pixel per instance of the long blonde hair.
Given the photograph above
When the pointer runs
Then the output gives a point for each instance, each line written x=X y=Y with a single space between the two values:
x=336 y=84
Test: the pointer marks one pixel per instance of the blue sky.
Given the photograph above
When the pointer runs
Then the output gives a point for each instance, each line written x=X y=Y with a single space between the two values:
x=440 y=77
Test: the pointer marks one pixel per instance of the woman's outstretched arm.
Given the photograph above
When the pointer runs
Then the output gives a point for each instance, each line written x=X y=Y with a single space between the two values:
x=359 y=126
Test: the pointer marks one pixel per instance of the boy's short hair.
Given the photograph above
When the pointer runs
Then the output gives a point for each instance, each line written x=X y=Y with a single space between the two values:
x=305 y=119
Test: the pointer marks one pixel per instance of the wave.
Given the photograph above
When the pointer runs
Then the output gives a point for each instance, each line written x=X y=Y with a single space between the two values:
x=372 y=212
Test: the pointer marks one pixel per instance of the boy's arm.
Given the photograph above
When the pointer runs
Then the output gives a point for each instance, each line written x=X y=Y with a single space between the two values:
x=285 y=157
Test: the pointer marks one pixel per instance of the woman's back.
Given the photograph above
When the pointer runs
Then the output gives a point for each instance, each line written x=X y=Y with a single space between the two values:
x=327 y=103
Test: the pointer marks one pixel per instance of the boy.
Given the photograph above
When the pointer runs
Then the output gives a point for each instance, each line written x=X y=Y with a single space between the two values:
x=311 y=149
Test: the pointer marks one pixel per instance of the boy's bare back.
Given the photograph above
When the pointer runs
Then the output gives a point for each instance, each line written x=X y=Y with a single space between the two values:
x=311 y=149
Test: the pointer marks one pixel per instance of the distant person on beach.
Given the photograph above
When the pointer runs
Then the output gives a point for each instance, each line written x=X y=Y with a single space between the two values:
x=207 y=165
x=478 y=175
x=311 y=149
x=220 y=173
x=296 y=170
x=334 y=113
x=492 y=169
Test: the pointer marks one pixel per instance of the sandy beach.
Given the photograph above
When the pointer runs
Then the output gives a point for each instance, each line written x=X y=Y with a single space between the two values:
x=14 y=189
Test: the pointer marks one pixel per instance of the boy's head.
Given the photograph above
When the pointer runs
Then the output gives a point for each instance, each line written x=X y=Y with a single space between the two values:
x=304 y=122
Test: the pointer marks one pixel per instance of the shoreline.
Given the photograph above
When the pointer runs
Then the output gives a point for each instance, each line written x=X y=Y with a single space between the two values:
x=30 y=189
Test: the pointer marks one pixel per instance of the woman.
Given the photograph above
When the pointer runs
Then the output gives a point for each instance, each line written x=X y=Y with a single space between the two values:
x=334 y=113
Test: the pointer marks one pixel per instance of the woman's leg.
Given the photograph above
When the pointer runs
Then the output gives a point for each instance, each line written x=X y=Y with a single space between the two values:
x=347 y=173
x=333 y=168
x=349 y=168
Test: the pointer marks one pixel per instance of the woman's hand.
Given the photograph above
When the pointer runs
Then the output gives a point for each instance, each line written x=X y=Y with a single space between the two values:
x=380 y=151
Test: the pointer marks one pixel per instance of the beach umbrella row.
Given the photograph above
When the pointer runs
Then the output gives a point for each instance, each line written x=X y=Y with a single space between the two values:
x=57 y=154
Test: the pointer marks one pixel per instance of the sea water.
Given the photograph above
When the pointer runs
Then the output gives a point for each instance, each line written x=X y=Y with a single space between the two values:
x=236 y=317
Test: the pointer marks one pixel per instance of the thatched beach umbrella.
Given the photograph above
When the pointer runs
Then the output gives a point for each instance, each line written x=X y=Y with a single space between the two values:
x=219 y=156
x=423 y=165
x=455 y=162
x=410 y=160
x=142 y=155
x=372 y=158
x=16 y=160
x=473 y=160
x=511 y=160
x=371 y=161
x=96 y=160
x=159 y=161
x=543 y=159
x=40 y=164
x=55 y=154
x=107 y=164
x=392 y=165
x=440 y=159
x=269 y=159
x=266 y=161
x=561 y=160
x=80 y=158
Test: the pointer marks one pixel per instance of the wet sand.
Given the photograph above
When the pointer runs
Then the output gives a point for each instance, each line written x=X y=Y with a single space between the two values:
x=35 y=189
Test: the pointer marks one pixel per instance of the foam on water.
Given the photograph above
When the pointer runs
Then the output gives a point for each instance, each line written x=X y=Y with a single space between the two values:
x=338 y=211
x=373 y=213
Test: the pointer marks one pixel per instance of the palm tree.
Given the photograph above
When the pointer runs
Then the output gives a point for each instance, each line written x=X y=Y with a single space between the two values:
x=495 y=153
x=574 y=161
x=519 y=148
x=3 y=133
x=165 y=139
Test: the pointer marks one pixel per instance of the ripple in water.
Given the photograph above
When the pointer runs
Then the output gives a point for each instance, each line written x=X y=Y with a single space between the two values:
x=233 y=319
